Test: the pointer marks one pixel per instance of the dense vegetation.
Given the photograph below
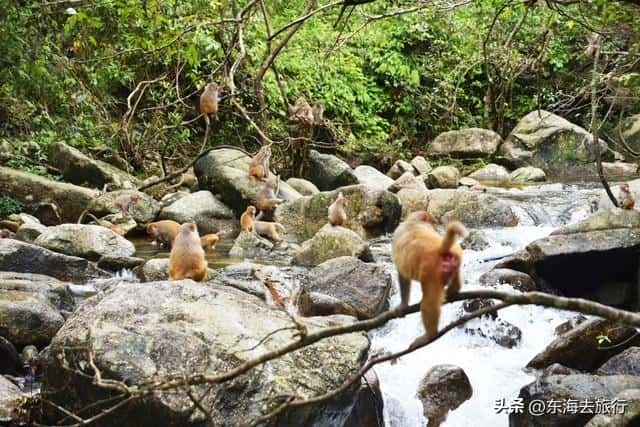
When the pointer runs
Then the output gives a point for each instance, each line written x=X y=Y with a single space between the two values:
x=127 y=74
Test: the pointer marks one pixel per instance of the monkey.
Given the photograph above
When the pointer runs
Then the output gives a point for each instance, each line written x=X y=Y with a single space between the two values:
x=247 y=219
x=209 y=241
x=267 y=198
x=125 y=201
x=420 y=253
x=627 y=200
x=301 y=112
x=187 y=256
x=594 y=44
x=337 y=215
x=269 y=229
x=6 y=234
x=106 y=224
x=209 y=101
x=318 y=113
x=259 y=164
x=163 y=232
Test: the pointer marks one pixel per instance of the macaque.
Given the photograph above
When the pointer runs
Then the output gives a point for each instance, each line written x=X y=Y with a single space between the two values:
x=163 y=232
x=419 y=253
x=125 y=201
x=267 y=198
x=337 y=215
x=247 y=219
x=187 y=256
x=106 y=224
x=209 y=101
x=318 y=113
x=301 y=112
x=626 y=198
x=209 y=241
x=6 y=234
x=594 y=44
x=259 y=164
x=269 y=230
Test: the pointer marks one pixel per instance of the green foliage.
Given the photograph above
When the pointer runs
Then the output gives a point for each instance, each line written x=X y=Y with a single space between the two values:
x=8 y=206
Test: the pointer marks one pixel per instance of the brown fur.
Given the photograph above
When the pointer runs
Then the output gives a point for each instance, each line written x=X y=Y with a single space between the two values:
x=209 y=101
x=336 y=212
x=301 y=112
x=259 y=164
x=627 y=201
x=267 y=199
x=209 y=241
x=318 y=113
x=6 y=234
x=163 y=232
x=247 y=219
x=125 y=201
x=187 y=256
x=270 y=230
x=419 y=253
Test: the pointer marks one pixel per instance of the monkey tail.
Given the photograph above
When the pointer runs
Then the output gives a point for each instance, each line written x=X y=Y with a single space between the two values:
x=454 y=229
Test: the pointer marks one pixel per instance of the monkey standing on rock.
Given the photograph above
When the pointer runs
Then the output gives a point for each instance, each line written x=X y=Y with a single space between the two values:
x=259 y=164
x=187 y=256
x=419 y=253
x=337 y=214
x=626 y=199
x=247 y=219
x=267 y=199
x=125 y=201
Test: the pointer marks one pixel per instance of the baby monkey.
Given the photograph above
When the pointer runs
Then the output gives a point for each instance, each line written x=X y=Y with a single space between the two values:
x=247 y=219
x=259 y=164
x=337 y=214
x=627 y=201
x=125 y=201
x=419 y=253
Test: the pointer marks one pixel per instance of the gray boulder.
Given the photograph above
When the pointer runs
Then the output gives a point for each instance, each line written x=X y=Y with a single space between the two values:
x=491 y=173
x=328 y=172
x=443 y=389
x=85 y=241
x=332 y=242
x=518 y=280
x=527 y=174
x=302 y=186
x=249 y=245
x=625 y=415
x=399 y=168
x=409 y=181
x=421 y=165
x=443 y=177
x=465 y=143
x=205 y=210
x=157 y=270
x=10 y=400
x=625 y=363
x=372 y=177
x=144 y=211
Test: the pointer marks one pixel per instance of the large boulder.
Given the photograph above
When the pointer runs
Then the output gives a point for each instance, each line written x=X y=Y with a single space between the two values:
x=421 y=165
x=407 y=180
x=368 y=409
x=332 y=242
x=250 y=278
x=443 y=389
x=24 y=257
x=10 y=400
x=527 y=174
x=517 y=279
x=328 y=172
x=465 y=143
x=491 y=173
x=444 y=177
x=356 y=288
x=620 y=170
x=86 y=241
x=302 y=186
x=140 y=333
x=625 y=363
x=82 y=170
x=471 y=208
x=205 y=210
x=225 y=173
x=557 y=146
x=399 y=168
x=372 y=177
x=625 y=413
x=579 y=347
x=368 y=212
x=249 y=244
x=70 y=199
x=144 y=211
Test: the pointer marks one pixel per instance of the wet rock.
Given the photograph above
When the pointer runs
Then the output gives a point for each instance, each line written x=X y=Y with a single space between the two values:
x=407 y=181
x=443 y=389
x=570 y=324
x=360 y=289
x=625 y=363
x=518 y=280
x=465 y=143
x=250 y=245
x=8 y=358
x=80 y=169
x=443 y=177
x=399 y=168
x=561 y=388
x=332 y=242
x=142 y=332
x=619 y=170
x=23 y=257
x=372 y=177
x=205 y=210
x=244 y=276
x=476 y=240
x=369 y=212
x=86 y=241
x=302 y=186
x=421 y=165
x=29 y=231
x=119 y=263
x=145 y=210
x=491 y=173
x=225 y=173
x=368 y=410
x=558 y=369
x=622 y=418
x=579 y=347
x=171 y=198
x=527 y=174
x=498 y=330
x=475 y=304
x=328 y=172
x=10 y=397
x=71 y=199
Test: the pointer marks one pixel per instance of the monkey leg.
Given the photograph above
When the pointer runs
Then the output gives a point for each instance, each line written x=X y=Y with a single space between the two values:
x=405 y=292
x=432 y=295
x=454 y=285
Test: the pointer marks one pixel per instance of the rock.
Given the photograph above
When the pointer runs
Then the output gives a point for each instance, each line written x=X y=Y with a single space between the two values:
x=476 y=240
x=86 y=241
x=443 y=389
x=558 y=369
x=19 y=257
x=369 y=212
x=625 y=363
x=527 y=174
x=225 y=173
x=6 y=150
x=468 y=182
x=10 y=399
x=475 y=304
x=144 y=211
x=48 y=213
x=246 y=276
x=409 y=181
x=55 y=291
x=125 y=222
x=80 y=169
x=250 y=245
x=8 y=359
x=443 y=177
x=421 y=165
x=362 y=287
x=620 y=170
x=465 y=143
x=328 y=172
x=570 y=324
x=302 y=186
x=579 y=347
x=202 y=208
x=157 y=269
x=332 y=242
x=119 y=263
x=27 y=188
x=148 y=331
x=498 y=330
x=630 y=400
x=551 y=143
x=29 y=232
x=562 y=388
x=491 y=173
x=372 y=177
x=518 y=280
x=111 y=156
x=399 y=168
x=368 y=410
x=171 y=198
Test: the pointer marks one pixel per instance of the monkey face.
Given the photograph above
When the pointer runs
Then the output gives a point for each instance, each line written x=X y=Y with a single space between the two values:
x=189 y=227
x=151 y=230
x=421 y=216
x=251 y=210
